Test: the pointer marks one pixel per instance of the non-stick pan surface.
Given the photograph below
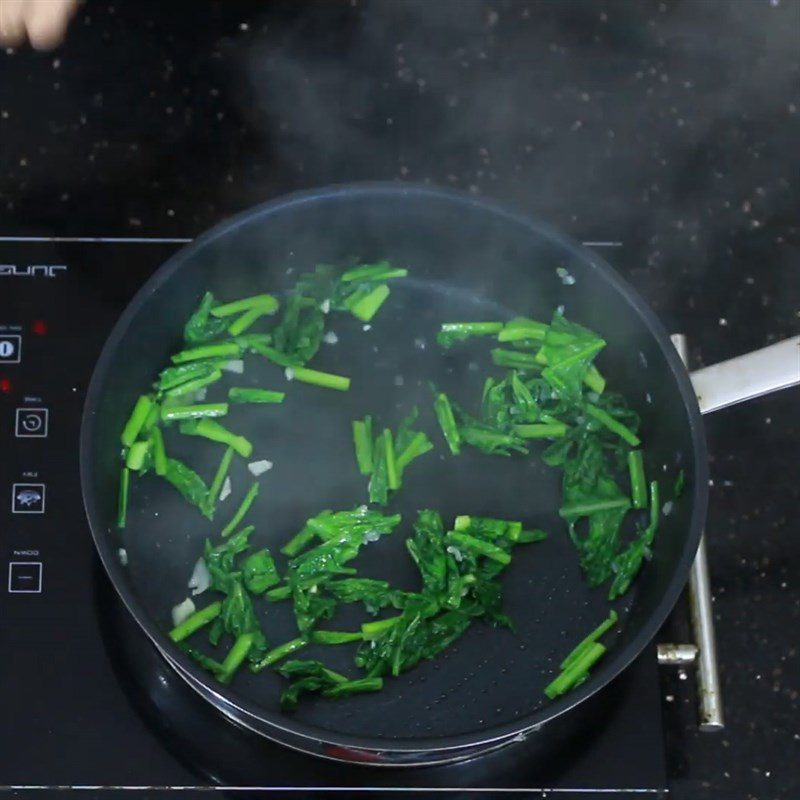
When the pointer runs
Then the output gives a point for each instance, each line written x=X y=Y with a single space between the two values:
x=468 y=260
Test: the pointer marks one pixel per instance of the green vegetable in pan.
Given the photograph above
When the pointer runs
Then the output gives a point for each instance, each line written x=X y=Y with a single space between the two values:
x=385 y=457
x=544 y=391
x=453 y=332
x=575 y=667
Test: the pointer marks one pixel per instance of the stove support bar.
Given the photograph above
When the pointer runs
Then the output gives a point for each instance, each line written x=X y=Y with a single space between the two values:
x=708 y=687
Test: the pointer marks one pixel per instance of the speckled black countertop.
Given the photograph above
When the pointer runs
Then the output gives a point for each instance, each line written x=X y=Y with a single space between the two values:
x=671 y=128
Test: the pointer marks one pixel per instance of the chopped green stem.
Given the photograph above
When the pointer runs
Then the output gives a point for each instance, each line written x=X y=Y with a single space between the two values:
x=452 y=332
x=655 y=511
x=122 y=506
x=374 y=630
x=245 y=321
x=266 y=303
x=354 y=687
x=219 y=478
x=594 y=380
x=447 y=422
x=479 y=546
x=279 y=593
x=136 y=455
x=521 y=329
x=392 y=473
x=195 y=622
x=514 y=359
x=585 y=509
x=224 y=350
x=236 y=655
x=152 y=420
x=209 y=429
x=171 y=413
x=680 y=484
x=194 y=385
x=362 y=441
x=584 y=644
x=550 y=430
x=136 y=420
x=613 y=425
x=638 y=483
x=287 y=648
x=472 y=328
x=298 y=542
x=238 y=394
x=418 y=446
x=325 y=379
x=159 y=452
x=366 y=307
x=275 y=356
x=336 y=637
x=569 y=677
x=172 y=377
x=373 y=272
x=527 y=537
x=241 y=511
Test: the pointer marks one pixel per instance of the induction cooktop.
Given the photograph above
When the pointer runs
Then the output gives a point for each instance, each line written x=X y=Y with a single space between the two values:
x=87 y=705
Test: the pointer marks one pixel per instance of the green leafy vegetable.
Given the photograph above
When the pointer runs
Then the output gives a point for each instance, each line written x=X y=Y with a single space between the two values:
x=259 y=572
x=236 y=656
x=514 y=359
x=136 y=420
x=680 y=483
x=454 y=332
x=159 y=451
x=210 y=503
x=237 y=617
x=201 y=326
x=299 y=333
x=447 y=422
x=362 y=441
x=137 y=453
x=576 y=672
x=626 y=565
x=122 y=503
x=173 y=413
x=194 y=384
x=251 y=495
x=584 y=644
x=196 y=621
x=638 y=483
x=369 y=273
x=265 y=303
x=224 y=350
x=374 y=594
x=237 y=394
x=569 y=350
x=366 y=306
x=521 y=329
x=209 y=429
x=188 y=483
x=325 y=379
x=220 y=559
x=278 y=653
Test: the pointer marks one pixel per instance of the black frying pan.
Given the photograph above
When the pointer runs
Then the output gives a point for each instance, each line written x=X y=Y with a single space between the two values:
x=469 y=259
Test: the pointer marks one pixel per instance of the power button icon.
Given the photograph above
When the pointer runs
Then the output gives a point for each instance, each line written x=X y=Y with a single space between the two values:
x=10 y=348
x=32 y=423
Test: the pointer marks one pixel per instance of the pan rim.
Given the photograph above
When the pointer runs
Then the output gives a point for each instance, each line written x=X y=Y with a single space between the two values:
x=615 y=662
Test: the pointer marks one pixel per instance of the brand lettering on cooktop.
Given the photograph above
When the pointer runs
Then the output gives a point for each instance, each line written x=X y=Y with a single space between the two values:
x=31 y=270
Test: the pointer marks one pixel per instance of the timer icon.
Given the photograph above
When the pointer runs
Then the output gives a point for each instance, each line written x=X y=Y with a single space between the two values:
x=32 y=423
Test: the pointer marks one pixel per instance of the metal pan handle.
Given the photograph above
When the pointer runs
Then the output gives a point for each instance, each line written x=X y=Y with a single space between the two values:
x=748 y=376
